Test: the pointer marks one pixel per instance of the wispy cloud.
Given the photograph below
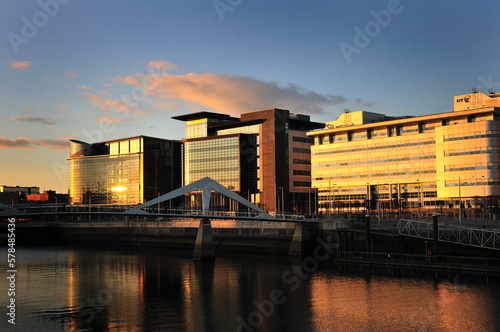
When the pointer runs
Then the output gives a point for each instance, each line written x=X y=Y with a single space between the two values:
x=72 y=74
x=366 y=104
x=160 y=65
x=85 y=87
x=61 y=107
x=20 y=64
x=110 y=104
x=34 y=119
x=107 y=85
x=29 y=143
x=113 y=119
x=28 y=110
x=227 y=94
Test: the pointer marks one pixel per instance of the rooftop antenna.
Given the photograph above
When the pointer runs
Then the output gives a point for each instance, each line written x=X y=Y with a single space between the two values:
x=491 y=91
x=474 y=90
x=347 y=110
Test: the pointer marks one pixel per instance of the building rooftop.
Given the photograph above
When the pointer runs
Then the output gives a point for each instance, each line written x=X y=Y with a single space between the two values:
x=204 y=115
x=120 y=139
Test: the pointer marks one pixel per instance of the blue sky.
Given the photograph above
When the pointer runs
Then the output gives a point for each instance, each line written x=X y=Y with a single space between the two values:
x=98 y=70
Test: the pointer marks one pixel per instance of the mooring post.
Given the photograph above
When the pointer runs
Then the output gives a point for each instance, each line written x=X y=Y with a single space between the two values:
x=435 y=227
x=204 y=245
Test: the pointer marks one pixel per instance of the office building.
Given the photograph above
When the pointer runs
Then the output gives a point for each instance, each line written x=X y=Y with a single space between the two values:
x=368 y=160
x=10 y=195
x=125 y=171
x=262 y=155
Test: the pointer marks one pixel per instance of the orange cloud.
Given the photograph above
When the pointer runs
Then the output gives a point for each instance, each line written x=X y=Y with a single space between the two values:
x=91 y=89
x=228 y=94
x=29 y=143
x=20 y=64
x=113 y=119
x=109 y=104
x=161 y=65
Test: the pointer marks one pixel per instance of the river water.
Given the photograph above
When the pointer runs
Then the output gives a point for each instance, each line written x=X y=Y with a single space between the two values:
x=68 y=289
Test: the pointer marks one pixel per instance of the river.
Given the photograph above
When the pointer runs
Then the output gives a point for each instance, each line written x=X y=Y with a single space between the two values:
x=75 y=289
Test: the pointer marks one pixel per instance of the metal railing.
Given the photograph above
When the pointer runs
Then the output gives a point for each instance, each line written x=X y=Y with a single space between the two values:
x=470 y=236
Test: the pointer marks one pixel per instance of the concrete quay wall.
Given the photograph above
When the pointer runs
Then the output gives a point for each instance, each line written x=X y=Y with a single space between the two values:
x=254 y=235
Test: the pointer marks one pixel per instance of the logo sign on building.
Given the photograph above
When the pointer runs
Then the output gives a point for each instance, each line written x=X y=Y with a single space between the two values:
x=464 y=99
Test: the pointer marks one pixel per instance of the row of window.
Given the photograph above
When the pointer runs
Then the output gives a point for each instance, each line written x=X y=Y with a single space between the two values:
x=301 y=184
x=337 y=190
x=325 y=199
x=373 y=161
x=301 y=162
x=388 y=132
x=374 y=147
x=358 y=176
x=473 y=182
x=454 y=153
x=451 y=138
x=456 y=168
x=303 y=139
x=301 y=150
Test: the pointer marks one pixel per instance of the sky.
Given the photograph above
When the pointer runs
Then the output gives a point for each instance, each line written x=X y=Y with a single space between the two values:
x=98 y=70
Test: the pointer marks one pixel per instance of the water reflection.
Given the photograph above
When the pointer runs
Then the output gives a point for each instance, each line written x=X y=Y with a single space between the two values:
x=91 y=290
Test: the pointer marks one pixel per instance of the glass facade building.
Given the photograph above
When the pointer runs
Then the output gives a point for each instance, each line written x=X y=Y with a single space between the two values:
x=127 y=171
x=263 y=155
x=368 y=160
x=216 y=158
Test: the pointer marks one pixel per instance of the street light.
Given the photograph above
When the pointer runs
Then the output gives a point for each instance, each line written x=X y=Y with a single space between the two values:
x=418 y=200
x=484 y=197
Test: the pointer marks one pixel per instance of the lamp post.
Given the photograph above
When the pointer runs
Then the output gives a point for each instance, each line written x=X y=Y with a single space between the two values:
x=329 y=197
x=309 y=209
x=484 y=197
x=459 y=202
x=282 y=200
x=418 y=199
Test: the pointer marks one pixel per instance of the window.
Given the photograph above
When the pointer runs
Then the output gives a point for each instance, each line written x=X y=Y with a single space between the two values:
x=300 y=150
x=302 y=139
x=301 y=172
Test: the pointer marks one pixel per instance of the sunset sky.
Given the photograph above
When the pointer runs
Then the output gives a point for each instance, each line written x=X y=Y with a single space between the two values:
x=96 y=70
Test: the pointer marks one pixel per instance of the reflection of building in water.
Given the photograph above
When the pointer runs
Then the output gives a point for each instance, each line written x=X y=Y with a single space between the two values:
x=112 y=299
x=371 y=303
x=370 y=160
x=126 y=171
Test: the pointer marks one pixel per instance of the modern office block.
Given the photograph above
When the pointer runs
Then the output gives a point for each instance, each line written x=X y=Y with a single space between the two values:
x=125 y=171
x=263 y=155
x=368 y=160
